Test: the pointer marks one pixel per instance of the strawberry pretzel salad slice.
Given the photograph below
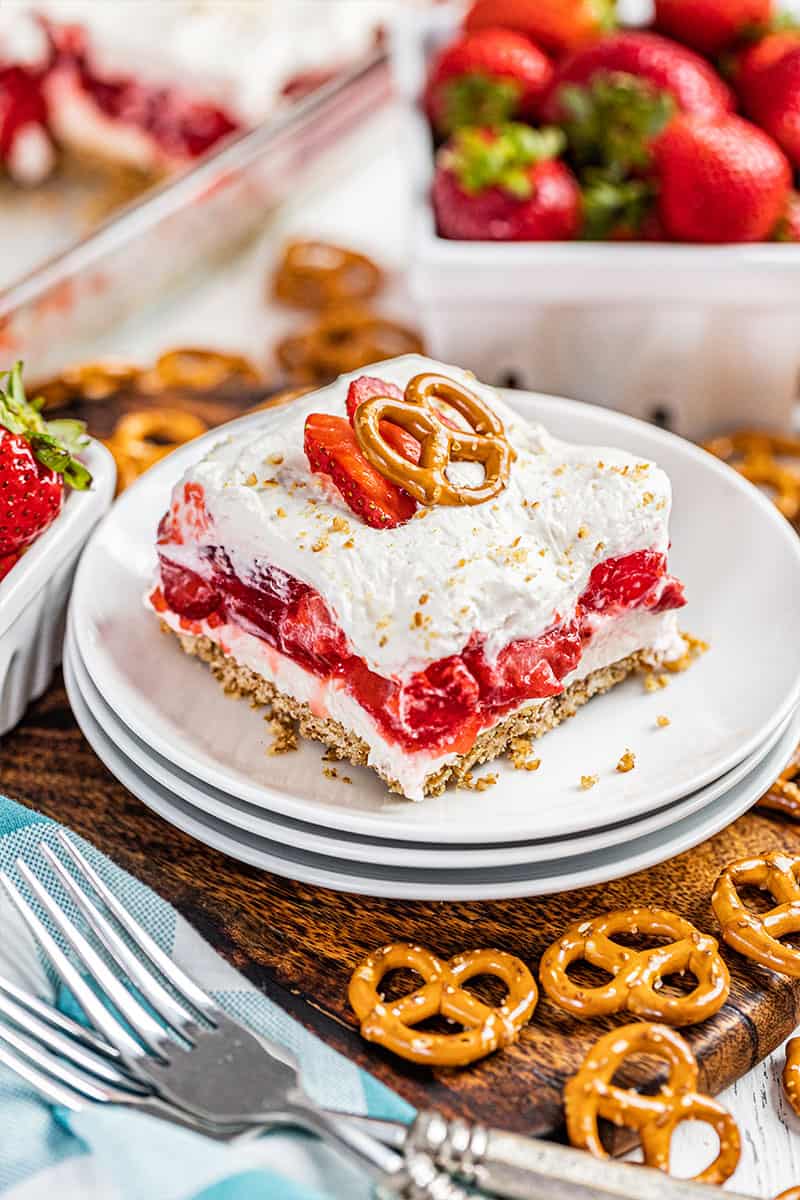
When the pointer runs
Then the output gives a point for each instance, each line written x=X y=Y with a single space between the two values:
x=416 y=574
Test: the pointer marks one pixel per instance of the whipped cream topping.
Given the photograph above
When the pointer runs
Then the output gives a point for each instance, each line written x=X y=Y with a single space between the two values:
x=405 y=597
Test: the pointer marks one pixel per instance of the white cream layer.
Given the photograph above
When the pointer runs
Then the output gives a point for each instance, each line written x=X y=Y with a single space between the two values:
x=614 y=638
x=405 y=597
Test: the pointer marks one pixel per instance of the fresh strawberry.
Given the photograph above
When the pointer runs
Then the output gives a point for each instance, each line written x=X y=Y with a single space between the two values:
x=788 y=227
x=332 y=449
x=667 y=67
x=710 y=26
x=768 y=81
x=35 y=463
x=485 y=78
x=558 y=25
x=6 y=563
x=366 y=387
x=721 y=180
x=505 y=185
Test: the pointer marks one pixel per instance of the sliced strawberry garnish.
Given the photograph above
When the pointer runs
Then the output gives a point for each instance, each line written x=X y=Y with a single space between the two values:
x=332 y=449
x=367 y=387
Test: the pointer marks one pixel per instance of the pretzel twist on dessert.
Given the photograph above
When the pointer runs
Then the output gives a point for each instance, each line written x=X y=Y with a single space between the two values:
x=145 y=436
x=441 y=442
x=314 y=274
x=754 y=934
x=755 y=455
x=637 y=974
x=591 y=1094
x=784 y=795
x=484 y=1027
x=342 y=340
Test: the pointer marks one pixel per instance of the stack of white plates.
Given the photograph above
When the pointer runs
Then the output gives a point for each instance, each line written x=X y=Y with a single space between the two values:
x=163 y=726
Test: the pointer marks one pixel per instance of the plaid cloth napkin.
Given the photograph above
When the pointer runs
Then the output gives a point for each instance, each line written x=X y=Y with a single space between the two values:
x=116 y=1154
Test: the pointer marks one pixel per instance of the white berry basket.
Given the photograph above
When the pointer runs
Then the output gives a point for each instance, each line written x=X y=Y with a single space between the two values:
x=697 y=338
x=34 y=594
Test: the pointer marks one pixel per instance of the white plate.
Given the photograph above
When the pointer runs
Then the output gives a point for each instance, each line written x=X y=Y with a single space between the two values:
x=382 y=851
x=741 y=563
x=486 y=883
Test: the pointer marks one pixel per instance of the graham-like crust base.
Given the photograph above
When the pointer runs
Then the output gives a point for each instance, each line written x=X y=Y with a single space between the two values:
x=530 y=722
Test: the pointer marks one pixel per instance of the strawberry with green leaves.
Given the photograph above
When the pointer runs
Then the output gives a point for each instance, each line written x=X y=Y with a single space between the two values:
x=485 y=78
x=557 y=25
x=37 y=462
x=506 y=184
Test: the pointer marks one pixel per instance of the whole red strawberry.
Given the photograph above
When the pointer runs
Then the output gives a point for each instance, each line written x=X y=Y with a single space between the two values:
x=720 y=180
x=505 y=185
x=485 y=78
x=35 y=463
x=558 y=25
x=710 y=25
x=666 y=66
x=768 y=82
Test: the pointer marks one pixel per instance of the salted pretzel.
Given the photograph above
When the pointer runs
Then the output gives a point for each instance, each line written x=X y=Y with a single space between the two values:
x=196 y=369
x=144 y=437
x=314 y=274
x=391 y=1023
x=591 y=1094
x=344 y=339
x=757 y=934
x=87 y=381
x=791 y=1074
x=793 y=1193
x=441 y=442
x=784 y=795
x=637 y=974
x=755 y=454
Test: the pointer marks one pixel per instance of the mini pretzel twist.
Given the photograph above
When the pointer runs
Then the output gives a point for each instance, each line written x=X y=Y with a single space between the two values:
x=756 y=935
x=317 y=274
x=441 y=442
x=484 y=1028
x=591 y=1094
x=637 y=974
x=344 y=339
x=144 y=437
x=784 y=795
x=755 y=454
x=793 y=1193
x=196 y=369
x=791 y=1074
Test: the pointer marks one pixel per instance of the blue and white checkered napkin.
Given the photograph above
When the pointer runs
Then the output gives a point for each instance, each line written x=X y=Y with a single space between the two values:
x=116 y=1154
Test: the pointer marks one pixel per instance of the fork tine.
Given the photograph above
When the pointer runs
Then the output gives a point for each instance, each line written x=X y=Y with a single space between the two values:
x=187 y=988
x=76 y=1052
x=43 y=1084
x=164 y=1004
x=80 y=1081
x=60 y=1020
x=99 y=1015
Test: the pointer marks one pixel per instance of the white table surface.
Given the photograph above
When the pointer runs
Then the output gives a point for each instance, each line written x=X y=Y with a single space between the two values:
x=369 y=210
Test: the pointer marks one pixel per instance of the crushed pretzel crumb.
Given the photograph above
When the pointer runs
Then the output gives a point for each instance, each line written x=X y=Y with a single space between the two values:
x=583 y=532
x=424 y=598
x=284 y=737
x=521 y=750
x=320 y=544
x=340 y=525
x=252 y=480
x=469 y=783
x=588 y=781
x=662 y=722
x=627 y=762
x=653 y=682
x=330 y=772
x=275 y=459
x=280 y=512
x=348 y=545
x=694 y=648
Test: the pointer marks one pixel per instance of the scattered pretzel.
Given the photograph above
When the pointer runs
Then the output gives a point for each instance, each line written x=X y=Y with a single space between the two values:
x=755 y=454
x=637 y=974
x=144 y=437
x=317 y=274
x=784 y=795
x=197 y=370
x=441 y=443
x=791 y=1074
x=591 y=1094
x=756 y=935
x=484 y=1028
x=87 y=381
x=344 y=339
x=793 y=1193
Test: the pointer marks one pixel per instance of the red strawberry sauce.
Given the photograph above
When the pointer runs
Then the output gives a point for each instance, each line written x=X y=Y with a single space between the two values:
x=440 y=709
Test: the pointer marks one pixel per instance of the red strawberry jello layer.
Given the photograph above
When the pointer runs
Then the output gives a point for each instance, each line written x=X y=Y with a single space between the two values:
x=424 y=639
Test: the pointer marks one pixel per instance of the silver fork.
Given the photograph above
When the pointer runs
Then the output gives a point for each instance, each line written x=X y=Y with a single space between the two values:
x=218 y=1073
x=551 y=1172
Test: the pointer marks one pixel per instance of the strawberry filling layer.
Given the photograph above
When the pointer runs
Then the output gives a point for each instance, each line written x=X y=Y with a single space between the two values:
x=443 y=708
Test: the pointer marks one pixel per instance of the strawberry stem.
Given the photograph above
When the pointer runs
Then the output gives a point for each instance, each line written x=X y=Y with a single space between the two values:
x=482 y=158
x=611 y=123
x=54 y=443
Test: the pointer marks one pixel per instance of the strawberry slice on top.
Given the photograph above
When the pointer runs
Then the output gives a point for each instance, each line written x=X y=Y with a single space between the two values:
x=332 y=449
x=36 y=464
x=367 y=387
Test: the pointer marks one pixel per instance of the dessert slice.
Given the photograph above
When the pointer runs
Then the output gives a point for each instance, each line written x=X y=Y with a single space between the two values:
x=415 y=573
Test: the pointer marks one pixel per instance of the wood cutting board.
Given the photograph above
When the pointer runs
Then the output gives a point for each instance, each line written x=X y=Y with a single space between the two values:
x=299 y=944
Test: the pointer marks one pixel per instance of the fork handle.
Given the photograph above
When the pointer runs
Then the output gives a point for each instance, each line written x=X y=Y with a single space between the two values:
x=524 y=1168
x=410 y=1176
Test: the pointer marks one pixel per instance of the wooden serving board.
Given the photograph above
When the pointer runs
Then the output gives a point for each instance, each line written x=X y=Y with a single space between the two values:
x=299 y=944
